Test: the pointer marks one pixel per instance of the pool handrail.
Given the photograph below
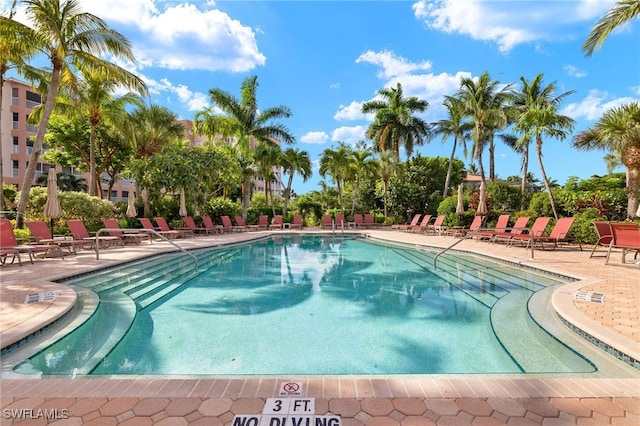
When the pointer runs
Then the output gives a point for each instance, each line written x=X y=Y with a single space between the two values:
x=150 y=231
x=471 y=235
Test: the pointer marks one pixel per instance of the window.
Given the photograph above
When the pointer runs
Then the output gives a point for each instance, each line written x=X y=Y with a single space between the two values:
x=30 y=127
x=15 y=147
x=16 y=169
x=33 y=100
x=29 y=146
x=114 y=196
x=16 y=121
x=125 y=195
x=15 y=99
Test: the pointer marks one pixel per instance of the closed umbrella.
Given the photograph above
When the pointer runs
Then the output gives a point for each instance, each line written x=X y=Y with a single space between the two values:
x=183 y=206
x=131 y=206
x=482 y=204
x=52 y=206
x=638 y=212
x=460 y=206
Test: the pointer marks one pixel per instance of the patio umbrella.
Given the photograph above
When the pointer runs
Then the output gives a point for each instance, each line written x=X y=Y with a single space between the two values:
x=183 y=206
x=638 y=212
x=131 y=206
x=460 y=206
x=52 y=206
x=482 y=204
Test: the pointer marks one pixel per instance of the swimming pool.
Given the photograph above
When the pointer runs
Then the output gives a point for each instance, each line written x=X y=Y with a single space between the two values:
x=309 y=305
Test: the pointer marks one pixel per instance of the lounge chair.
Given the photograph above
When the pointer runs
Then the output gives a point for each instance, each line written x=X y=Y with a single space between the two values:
x=626 y=236
x=297 y=222
x=604 y=236
x=126 y=237
x=164 y=227
x=340 y=222
x=146 y=224
x=9 y=245
x=559 y=234
x=227 y=225
x=41 y=233
x=422 y=226
x=537 y=229
x=327 y=221
x=358 y=220
x=277 y=222
x=461 y=232
x=241 y=226
x=79 y=232
x=404 y=226
x=501 y=226
x=519 y=227
x=6 y=252
x=191 y=226
x=210 y=226
x=370 y=221
x=263 y=222
x=437 y=227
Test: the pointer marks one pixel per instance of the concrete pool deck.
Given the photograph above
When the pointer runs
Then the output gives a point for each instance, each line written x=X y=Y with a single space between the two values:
x=372 y=400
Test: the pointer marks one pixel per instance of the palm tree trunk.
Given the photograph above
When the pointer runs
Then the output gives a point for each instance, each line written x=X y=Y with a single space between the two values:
x=525 y=172
x=92 y=160
x=2 y=71
x=287 y=195
x=450 y=168
x=544 y=176
x=492 y=158
x=631 y=160
x=384 y=184
x=37 y=147
x=246 y=196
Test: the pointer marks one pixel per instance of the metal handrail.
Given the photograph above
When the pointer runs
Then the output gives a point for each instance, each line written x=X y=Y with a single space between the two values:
x=474 y=232
x=136 y=230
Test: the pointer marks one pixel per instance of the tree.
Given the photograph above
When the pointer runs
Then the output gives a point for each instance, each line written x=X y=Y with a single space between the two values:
x=453 y=126
x=395 y=124
x=364 y=167
x=387 y=167
x=482 y=101
x=267 y=157
x=532 y=95
x=620 y=13
x=248 y=123
x=72 y=40
x=337 y=164
x=618 y=130
x=294 y=161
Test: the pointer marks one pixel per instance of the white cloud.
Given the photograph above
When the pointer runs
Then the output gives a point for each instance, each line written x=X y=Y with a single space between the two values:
x=314 y=138
x=182 y=36
x=353 y=111
x=574 y=71
x=594 y=105
x=349 y=135
x=390 y=64
x=507 y=23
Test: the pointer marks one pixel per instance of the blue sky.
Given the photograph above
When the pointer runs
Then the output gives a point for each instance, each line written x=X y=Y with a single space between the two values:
x=323 y=59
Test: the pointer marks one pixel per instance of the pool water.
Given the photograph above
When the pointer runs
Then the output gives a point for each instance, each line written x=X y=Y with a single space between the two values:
x=309 y=305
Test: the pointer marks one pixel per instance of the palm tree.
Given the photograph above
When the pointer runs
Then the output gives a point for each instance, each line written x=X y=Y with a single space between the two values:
x=337 y=164
x=482 y=101
x=620 y=13
x=540 y=120
x=395 y=124
x=294 y=161
x=267 y=157
x=72 y=40
x=532 y=94
x=613 y=161
x=249 y=123
x=364 y=167
x=618 y=131
x=94 y=98
x=387 y=167
x=453 y=126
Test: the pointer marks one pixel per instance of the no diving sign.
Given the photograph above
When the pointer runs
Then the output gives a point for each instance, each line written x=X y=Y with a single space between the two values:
x=287 y=412
x=290 y=389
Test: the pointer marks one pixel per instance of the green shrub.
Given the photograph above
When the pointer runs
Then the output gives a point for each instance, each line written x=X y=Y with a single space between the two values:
x=220 y=206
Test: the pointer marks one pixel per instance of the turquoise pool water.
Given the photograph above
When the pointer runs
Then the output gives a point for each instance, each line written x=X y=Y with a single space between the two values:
x=309 y=305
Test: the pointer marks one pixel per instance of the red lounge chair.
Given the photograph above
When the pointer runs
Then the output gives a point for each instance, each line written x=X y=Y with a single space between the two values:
x=537 y=229
x=79 y=232
x=191 y=226
x=14 y=253
x=297 y=222
x=604 y=235
x=41 y=233
x=210 y=226
x=277 y=222
x=263 y=222
x=501 y=226
x=626 y=236
x=358 y=221
x=327 y=221
x=340 y=222
x=422 y=226
x=437 y=227
x=164 y=227
x=146 y=224
x=241 y=226
x=128 y=237
x=370 y=222
x=9 y=245
x=519 y=227
x=559 y=234
x=404 y=226
x=475 y=225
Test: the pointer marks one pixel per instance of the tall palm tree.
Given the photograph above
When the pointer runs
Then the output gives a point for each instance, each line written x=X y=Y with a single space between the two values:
x=454 y=126
x=532 y=94
x=618 y=130
x=387 y=167
x=483 y=100
x=249 y=123
x=94 y=98
x=364 y=167
x=267 y=157
x=395 y=124
x=540 y=120
x=294 y=161
x=620 y=13
x=72 y=40
x=337 y=163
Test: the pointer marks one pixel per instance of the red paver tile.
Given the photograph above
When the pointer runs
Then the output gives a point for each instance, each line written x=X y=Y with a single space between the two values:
x=102 y=421
x=540 y=406
x=138 y=421
x=377 y=406
x=487 y=421
x=206 y=421
x=410 y=406
x=85 y=406
x=604 y=407
x=507 y=406
x=629 y=420
x=573 y=406
x=150 y=406
x=365 y=388
x=382 y=421
x=172 y=421
x=181 y=407
x=442 y=406
x=474 y=406
x=347 y=407
x=213 y=407
x=631 y=405
x=248 y=406
x=118 y=406
x=452 y=421
x=417 y=421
